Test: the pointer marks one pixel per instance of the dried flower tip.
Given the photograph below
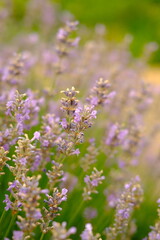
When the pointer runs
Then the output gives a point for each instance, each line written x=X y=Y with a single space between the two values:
x=3 y=159
x=69 y=103
x=70 y=92
x=72 y=25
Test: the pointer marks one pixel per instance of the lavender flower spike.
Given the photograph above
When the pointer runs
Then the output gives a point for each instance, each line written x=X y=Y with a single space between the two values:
x=87 y=234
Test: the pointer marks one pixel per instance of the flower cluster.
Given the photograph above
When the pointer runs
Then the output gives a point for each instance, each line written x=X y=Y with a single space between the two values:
x=90 y=156
x=29 y=195
x=26 y=156
x=100 y=93
x=128 y=201
x=55 y=175
x=77 y=120
x=50 y=130
x=26 y=194
x=87 y=234
x=60 y=232
x=155 y=233
x=92 y=182
x=23 y=110
x=116 y=135
x=52 y=208
x=12 y=74
x=65 y=42
x=84 y=117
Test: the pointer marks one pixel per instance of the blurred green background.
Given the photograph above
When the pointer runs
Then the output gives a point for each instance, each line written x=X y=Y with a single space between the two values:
x=141 y=18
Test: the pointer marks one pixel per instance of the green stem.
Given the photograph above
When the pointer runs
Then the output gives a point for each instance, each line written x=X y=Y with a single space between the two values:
x=54 y=83
x=42 y=236
x=71 y=195
x=102 y=223
x=61 y=159
x=10 y=225
x=75 y=214
x=2 y=216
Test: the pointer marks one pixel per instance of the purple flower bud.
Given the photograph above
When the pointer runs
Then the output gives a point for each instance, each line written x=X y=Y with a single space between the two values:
x=94 y=101
x=37 y=215
x=64 y=123
x=13 y=185
x=36 y=136
x=123 y=133
x=77 y=116
x=111 y=134
x=45 y=191
x=75 y=42
x=87 y=179
x=87 y=233
x=64 y=191
x=76 y=152
x=62 y=34
x=17 y=235
x=94 y=182
x=23 y=161
x=72 y=25
x=93 y=114
x=112 y=94
x=8 y=202
x=127 y=185
x=72 y=230
x=45 y=143
x=124 y=213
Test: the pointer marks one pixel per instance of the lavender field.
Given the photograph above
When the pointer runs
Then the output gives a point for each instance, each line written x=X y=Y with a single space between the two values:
x=79 y=131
